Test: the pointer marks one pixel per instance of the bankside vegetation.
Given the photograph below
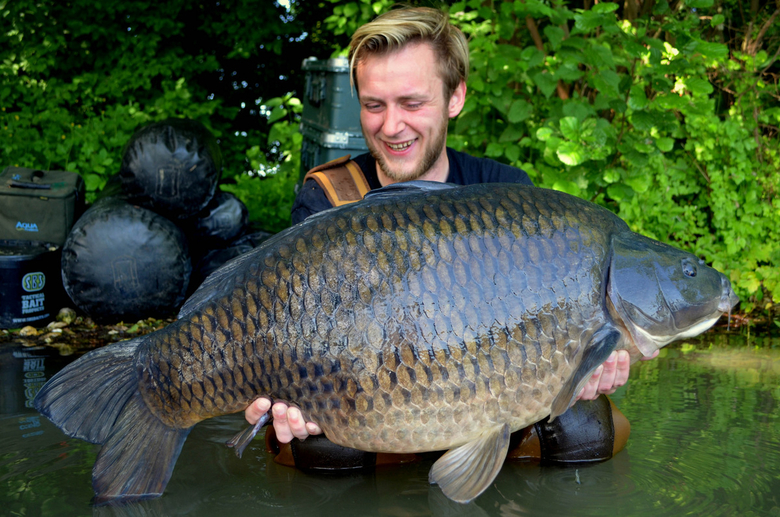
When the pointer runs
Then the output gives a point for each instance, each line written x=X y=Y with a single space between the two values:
x=666 y=113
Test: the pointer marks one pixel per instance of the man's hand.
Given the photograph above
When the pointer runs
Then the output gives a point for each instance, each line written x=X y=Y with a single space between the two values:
x=609 y=376
x=288 y=421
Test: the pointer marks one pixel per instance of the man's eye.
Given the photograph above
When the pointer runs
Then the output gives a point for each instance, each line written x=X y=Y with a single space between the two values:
x=414 y=106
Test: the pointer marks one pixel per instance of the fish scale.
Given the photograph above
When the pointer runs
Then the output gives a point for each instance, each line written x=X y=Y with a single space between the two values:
x=422 y=318
x=338 y=397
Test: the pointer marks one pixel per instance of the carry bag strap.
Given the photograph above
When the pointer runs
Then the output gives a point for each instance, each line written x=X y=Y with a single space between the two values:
x=341 y=179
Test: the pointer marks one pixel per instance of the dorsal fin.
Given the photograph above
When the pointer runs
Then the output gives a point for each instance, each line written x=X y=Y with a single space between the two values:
x=407 y=187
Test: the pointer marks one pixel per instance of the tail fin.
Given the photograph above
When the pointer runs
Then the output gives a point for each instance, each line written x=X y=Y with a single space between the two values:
x=137 y=460
x=86 y=397
x=96 y=399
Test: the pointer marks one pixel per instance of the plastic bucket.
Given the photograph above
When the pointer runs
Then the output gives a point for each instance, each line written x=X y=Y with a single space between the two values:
x=30 y=283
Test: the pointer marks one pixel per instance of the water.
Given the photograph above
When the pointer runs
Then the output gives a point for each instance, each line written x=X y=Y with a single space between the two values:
x=705 y=440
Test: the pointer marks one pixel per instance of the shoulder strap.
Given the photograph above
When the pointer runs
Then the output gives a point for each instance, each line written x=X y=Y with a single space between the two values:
x=341 y=179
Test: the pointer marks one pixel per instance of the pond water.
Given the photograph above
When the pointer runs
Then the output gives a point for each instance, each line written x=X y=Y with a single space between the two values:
x=705 y=440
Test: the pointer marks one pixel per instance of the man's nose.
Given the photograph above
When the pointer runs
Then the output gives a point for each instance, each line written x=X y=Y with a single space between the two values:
x=394 y=121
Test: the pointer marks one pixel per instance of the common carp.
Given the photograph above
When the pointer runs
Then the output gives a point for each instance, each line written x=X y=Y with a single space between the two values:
x=425 y=317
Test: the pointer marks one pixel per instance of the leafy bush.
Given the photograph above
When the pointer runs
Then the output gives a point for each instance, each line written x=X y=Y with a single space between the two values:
x=78 y=78
x=648 y=116
x=269 y=189
x=667 y=115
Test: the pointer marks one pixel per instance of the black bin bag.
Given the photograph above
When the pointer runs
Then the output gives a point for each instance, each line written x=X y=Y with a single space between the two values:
x=223 y=220
x=171 y=167
x=122 y=262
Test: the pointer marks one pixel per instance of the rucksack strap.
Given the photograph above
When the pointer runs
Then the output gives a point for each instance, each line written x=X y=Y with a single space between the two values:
x=341 y=179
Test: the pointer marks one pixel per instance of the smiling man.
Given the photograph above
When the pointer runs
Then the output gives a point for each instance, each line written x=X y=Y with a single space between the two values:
x=409 y=68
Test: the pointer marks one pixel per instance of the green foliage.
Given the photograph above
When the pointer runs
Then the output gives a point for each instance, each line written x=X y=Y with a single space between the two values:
x=667 y=116
x=268 y=189
x=78 y=78
x=650 y=116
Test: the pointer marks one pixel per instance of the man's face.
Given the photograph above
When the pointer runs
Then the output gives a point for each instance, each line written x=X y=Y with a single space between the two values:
x=404 y=113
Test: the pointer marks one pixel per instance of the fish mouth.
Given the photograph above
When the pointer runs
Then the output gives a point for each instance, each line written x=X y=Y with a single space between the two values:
x=401 y=146
x=729 y=299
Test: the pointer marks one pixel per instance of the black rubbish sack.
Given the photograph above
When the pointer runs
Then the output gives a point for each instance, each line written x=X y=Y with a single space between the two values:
x=216 y=258
x=224 y=219
x=171 y=167
x=122 y=262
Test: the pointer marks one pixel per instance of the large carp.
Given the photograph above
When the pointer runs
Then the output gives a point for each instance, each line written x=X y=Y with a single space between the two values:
x=423 y=318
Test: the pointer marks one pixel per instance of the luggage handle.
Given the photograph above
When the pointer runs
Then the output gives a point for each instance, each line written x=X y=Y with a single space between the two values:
x=36 y=175
x=28 y=184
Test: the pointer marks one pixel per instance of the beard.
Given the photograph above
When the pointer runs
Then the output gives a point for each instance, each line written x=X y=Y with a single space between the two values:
x=431 y=153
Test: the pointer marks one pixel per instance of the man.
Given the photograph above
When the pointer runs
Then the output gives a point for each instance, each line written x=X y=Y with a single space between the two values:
x=409 y=68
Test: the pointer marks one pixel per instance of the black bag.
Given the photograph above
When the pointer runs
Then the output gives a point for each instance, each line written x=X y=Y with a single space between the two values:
x=124 y=262
x=171 y=167
x=39 y=205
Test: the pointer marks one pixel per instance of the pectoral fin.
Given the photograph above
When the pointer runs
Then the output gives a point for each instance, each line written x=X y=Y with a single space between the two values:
x=466 y=471
x=603 y=342
x=240 y=441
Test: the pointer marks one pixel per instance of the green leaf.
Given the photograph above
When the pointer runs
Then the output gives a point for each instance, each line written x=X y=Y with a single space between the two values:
x=611 y=175
x=664 y=144
x=637 y=100
x=699 y=4
x=554 y=36
x=608 y=82
x=512 y=152
x=588 y=20
x=494 y=150
x=519 y=111
x=544 y=133
x=351 y=9
x=546 y=83
x=277 y=113
x=606 y=7
x=568 y=72
x=660 y=7
x=569 y=187
x=92 y=182
x=620 y=191
x=511 y=134
x=712 y=50
x=644 y=120
x=698 y=86
x=581 y=110
x=570 y=127
x=718 y=19
x=634 y=49
x=571 y=153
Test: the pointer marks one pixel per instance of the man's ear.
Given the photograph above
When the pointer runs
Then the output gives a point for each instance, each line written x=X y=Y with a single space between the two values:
x=457 y=100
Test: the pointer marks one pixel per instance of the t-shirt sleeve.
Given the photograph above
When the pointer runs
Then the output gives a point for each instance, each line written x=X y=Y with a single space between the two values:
x=310 y=200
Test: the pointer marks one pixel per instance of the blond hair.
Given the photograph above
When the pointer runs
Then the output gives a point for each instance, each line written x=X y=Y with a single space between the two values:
x=395 y=29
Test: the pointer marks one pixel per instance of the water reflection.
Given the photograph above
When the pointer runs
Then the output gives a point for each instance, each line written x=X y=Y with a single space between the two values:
x=705 y=441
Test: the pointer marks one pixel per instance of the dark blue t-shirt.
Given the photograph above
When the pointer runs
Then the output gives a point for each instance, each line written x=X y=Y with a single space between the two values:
x=464 y=170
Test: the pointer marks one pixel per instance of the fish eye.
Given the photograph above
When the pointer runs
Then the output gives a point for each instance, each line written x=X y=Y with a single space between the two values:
x=689 y=268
